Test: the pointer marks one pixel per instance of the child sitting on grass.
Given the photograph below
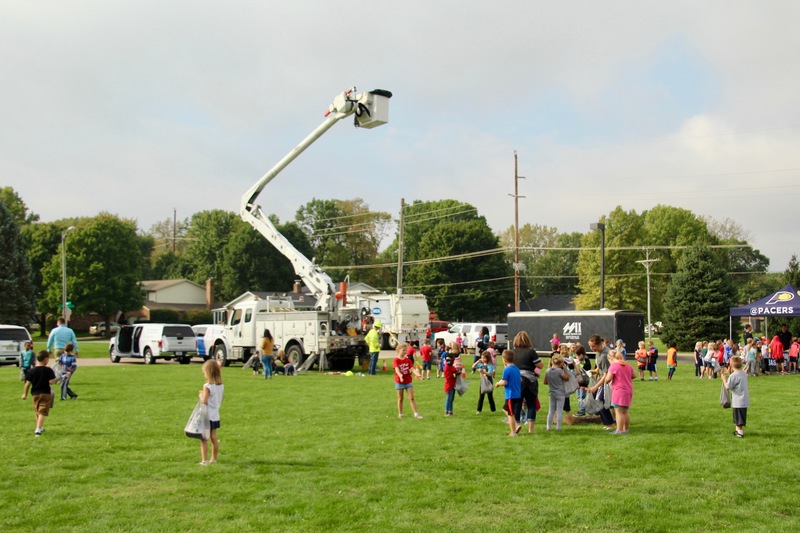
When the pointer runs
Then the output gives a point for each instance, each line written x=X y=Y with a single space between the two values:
x=740 y=394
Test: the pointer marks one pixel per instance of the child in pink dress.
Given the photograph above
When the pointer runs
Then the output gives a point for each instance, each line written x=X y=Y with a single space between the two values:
x=620 y=374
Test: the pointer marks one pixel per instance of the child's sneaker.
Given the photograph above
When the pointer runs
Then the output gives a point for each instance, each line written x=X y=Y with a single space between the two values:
x=203 y=463
x=38 y=432
x=400 y=416
x=417 y=415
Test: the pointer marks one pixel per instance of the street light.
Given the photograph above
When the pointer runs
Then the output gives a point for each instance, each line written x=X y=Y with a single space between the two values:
x=602 y=228
x=64 y=273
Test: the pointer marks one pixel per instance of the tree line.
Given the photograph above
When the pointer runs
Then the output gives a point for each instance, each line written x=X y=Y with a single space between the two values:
x=450 y=254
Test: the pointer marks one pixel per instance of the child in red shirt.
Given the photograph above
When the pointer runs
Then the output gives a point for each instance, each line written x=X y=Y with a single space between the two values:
x=450 y=375
x=403 y=368
x=426 y=353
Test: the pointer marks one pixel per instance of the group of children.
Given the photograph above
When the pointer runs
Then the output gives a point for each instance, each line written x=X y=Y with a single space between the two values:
x=569 y=360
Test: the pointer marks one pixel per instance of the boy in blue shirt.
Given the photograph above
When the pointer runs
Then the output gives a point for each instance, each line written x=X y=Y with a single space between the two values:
x=69 y=364
x=512 y=381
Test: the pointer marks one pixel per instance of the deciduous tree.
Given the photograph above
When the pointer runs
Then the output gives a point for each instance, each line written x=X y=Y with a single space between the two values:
x=104 y=268
x=17 y=299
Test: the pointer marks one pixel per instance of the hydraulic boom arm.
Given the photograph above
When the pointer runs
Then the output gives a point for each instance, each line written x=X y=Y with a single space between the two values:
x=371 y=109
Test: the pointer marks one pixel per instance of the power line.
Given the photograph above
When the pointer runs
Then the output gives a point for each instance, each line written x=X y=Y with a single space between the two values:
x=447 y=215
x=409 y=207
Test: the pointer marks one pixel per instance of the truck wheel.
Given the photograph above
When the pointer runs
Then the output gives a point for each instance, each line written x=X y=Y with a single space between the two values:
x=184 y=360
x=114 y=359
x=385 y=342
x=392 y=342
x=148 y=357
x=221 y=355
x=295 y=354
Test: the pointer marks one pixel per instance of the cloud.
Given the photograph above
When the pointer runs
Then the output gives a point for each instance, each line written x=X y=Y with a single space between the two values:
x=141 y=107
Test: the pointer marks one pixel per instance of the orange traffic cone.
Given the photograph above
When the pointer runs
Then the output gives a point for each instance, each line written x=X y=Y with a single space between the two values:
x=384 y=365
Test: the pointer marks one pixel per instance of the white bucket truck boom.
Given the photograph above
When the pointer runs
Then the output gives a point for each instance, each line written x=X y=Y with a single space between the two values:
x=331 y=333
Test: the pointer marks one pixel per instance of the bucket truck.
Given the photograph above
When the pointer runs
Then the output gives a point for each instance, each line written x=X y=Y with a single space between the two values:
x=330 y=334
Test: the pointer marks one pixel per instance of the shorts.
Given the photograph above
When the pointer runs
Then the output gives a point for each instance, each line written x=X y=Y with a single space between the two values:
x=739 y=416
x=651 y=367
x=426 y=365
x=403 y=386
x=214 y=424
x=641 y=366
x=621 y=406
x=42 y=403
x=514 y=406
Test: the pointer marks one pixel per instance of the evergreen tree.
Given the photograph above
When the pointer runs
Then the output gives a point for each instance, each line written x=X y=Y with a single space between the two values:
x=698 y=300
x=17 y=299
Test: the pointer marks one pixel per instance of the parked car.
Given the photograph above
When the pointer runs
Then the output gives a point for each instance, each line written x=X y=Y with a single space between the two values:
x=202 y=332
x=12 y=343
x=154 y=341
x=498 y=333
x=435 y=326
x=99 y=328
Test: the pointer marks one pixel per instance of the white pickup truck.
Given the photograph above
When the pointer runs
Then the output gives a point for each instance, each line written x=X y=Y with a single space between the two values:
x=12 y=343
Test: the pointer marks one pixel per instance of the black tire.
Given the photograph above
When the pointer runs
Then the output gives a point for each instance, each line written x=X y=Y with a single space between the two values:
x=342 y=364
x=184 y=360
x=221 y=355
x=385 y=342
x=295 y=354
x=148 y=357
x=114 y=359
x=392 y=342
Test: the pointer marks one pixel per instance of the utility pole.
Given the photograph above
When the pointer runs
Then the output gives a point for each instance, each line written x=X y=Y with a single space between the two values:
x=517 y=265
x=174 y=229
x=602 y=227
x=647 y=262
x=400 y=247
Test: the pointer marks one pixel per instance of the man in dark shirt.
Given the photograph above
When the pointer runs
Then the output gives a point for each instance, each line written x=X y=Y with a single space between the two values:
x=786 y=337
x=748 y=333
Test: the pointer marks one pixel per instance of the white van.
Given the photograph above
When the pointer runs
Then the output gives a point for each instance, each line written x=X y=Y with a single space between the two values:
x=12 y=343
x=498 y=333
x=154 y=341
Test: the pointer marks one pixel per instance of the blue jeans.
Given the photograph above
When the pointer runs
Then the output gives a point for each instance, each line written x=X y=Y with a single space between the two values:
x=373 y=362
x=448 y=401
x=266 y=360
x=581 y=401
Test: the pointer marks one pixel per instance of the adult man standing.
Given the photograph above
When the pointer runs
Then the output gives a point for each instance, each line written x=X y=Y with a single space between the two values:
x=602 y=364
x=786 y=339
x=373 y=340
x=59 y=337
x=748 y=333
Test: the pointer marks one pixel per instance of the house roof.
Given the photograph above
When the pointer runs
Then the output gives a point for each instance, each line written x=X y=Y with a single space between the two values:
x=159 y=284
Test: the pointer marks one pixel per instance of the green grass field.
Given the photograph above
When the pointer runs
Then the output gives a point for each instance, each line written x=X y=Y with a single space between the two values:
x=319 y=453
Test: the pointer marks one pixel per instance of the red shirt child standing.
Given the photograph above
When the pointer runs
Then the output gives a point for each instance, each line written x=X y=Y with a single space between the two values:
x=403 y=367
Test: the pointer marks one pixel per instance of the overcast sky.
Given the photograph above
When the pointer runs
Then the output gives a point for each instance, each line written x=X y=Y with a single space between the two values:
x=140 y=107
